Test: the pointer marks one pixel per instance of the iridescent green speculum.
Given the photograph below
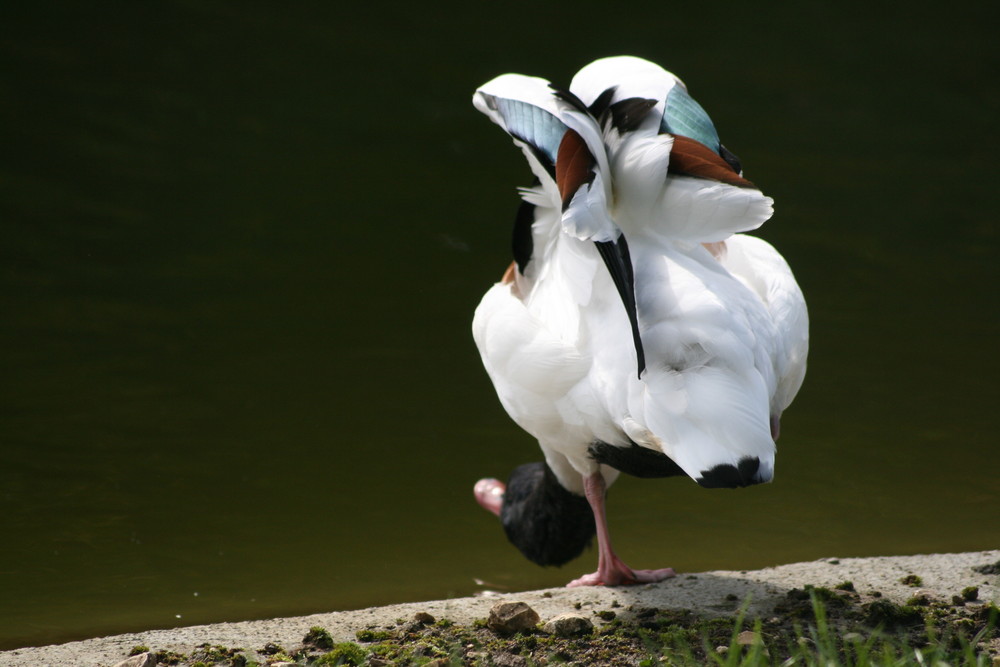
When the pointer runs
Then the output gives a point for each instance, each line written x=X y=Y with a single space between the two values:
x=683 y=116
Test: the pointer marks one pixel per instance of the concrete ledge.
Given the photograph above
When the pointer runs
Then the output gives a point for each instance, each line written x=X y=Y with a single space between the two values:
x=718 y=592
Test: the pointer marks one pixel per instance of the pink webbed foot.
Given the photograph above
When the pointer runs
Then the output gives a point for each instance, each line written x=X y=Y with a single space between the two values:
x=611 y=571
x=619 y=574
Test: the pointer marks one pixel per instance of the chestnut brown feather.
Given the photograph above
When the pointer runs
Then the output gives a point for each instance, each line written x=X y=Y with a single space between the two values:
x=574 y=165
x=692 y=158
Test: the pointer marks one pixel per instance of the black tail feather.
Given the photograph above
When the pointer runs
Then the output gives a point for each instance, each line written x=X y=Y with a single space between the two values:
x=619 y=262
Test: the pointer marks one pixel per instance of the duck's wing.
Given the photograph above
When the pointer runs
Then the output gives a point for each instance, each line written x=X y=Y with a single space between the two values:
x=673 y=177
x=563 y=146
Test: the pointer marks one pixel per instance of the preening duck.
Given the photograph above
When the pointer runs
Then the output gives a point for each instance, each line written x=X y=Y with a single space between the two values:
x=637 y=330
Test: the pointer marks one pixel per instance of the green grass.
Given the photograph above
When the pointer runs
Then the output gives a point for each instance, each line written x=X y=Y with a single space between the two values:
x=814 y=626
x=820 y=644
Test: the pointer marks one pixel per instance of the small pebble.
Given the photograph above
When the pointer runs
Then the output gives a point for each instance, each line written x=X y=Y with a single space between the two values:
x=510 y=617
x=271 y=648
x=139 y=660
x=568 y=625
x=747 y=638
x=423 y=618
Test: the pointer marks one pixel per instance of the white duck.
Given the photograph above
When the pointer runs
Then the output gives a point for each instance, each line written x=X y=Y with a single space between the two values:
x=637 y=330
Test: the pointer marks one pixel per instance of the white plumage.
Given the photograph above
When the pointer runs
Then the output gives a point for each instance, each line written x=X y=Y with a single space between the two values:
x=638 y=315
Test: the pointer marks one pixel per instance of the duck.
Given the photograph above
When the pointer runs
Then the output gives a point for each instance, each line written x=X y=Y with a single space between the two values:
x=638 y=328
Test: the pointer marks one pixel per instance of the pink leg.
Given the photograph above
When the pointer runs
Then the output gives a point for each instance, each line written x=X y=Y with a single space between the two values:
x=611 y=571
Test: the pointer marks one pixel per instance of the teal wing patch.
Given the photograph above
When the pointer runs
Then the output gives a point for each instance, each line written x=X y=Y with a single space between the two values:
x=683 y=116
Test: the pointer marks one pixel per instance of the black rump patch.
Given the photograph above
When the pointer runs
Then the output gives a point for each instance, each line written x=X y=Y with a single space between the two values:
x=547 y=523
x=522 y=242
x=626 y=115
x=634 y=460
x=728 y=476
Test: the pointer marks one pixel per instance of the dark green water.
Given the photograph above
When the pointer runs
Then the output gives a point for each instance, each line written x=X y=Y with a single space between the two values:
x=241 y=244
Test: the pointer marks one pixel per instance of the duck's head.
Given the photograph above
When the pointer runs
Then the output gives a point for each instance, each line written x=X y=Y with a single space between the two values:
x=547 y=523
